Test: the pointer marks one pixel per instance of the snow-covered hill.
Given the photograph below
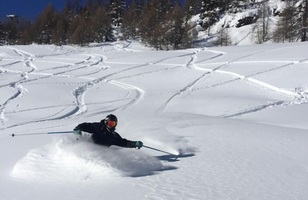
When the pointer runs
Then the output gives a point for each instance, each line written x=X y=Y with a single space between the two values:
x=242 y=23
x=236 y=115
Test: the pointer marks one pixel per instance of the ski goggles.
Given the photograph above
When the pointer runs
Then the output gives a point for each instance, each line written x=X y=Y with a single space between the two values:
x=111 y=123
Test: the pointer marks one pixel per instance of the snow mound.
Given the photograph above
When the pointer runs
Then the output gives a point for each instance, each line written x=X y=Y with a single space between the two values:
x=76 y=160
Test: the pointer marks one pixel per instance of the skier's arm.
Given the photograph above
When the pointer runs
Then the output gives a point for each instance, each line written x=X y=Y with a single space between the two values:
x=86 y=127
x=122 y=142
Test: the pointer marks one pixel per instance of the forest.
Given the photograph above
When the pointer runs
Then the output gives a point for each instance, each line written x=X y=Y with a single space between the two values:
x=161 y=24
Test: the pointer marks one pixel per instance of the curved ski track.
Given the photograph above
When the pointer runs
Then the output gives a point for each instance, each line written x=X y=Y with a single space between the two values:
x=27 y=60
x=139 y=93
x=299 y=97
x=134 y=93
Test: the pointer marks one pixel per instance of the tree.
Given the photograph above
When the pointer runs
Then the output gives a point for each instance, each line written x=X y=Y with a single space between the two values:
x=117 y=8
x=192 y=7
x=150 y=26
x=2 y=38
x=292 y=25
x=80 y=35
x=177 y=29
x=10 y=30
x=261 y=27
x=59 y=33
x=44 y=25
x=223 y=37
x=210 y=12
x=304 y=29
x=286 y=26
x=132 y=20
x=101 y=25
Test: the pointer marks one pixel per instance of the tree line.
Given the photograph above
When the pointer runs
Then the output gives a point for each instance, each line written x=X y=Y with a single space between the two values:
x=162 y=24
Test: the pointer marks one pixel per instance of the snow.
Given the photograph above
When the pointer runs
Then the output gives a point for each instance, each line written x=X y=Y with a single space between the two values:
x=235 y=115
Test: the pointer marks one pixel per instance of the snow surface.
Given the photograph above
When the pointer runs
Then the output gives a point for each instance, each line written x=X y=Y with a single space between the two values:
x=236 y=115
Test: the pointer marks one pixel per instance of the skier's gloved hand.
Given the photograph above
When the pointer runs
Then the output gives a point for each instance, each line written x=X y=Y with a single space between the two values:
x=138 y=144
x=77 y=131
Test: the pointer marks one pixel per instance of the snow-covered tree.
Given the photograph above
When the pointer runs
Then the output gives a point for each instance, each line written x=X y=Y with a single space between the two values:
x=211 y=11
x=117 y=8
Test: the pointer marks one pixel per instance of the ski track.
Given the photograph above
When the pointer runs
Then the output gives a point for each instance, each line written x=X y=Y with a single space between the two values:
x=96 y=60
x=80 y=92
x=28 y=58
x=19 y=93
x=299 y=97
x=28 y=62
x=189 y=65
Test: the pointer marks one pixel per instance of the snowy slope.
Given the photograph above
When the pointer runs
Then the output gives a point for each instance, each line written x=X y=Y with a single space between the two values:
x=236 y=115
x=232 y=20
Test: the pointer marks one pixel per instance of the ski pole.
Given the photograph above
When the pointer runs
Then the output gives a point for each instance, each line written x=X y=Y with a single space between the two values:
x=159 y=150
x=43 y=133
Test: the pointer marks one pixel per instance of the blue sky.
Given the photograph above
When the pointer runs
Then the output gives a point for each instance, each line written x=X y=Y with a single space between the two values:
x=27 y=8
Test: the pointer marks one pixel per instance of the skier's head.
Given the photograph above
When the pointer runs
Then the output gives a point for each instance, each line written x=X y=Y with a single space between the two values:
x=111 y=121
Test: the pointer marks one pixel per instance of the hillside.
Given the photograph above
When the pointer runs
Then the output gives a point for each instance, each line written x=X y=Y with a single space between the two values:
x=252 y=22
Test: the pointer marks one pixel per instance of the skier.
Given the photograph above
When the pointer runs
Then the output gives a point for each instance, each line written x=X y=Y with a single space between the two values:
x=103 y=133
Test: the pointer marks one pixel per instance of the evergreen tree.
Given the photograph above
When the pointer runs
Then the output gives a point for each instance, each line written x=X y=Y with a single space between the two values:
x=192 y=7
x=176 y=29
x=59 y=34
x=211 y=11
x=261 y=27
x=304 y=28
x=223 y=37
x=101 y=25
x=286 y=28
x=150 y=26
x=44 y=25
x=2 y=38
x=81 y=34
x=117 y=8
x=131 y=20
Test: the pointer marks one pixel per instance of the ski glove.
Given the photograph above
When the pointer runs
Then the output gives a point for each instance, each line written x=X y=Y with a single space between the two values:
x=77 y=131
x=138 y=144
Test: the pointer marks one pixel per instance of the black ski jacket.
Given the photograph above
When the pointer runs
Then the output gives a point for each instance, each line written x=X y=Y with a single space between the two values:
x=102 y=135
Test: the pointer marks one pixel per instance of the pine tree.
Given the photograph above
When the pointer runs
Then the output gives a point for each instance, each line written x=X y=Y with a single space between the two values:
x=59 y=34
x=223 y=37
x=210 y=12
x=177 y=29
x=101 y=25
x=286 y=28
x=44 y=25
x=10 y=31
x=80 y=35
x=132 y=20
x=117 y=8
x=150 y=26
x=261 y=27
x=304 y=29
x=2 y=39
x=192 y=7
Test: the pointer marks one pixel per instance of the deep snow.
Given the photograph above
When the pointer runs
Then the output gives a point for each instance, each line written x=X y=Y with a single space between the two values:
x=236 y=115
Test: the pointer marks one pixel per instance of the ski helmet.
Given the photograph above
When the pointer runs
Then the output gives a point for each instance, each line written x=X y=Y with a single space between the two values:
x=111 y=121
x=111 y=117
